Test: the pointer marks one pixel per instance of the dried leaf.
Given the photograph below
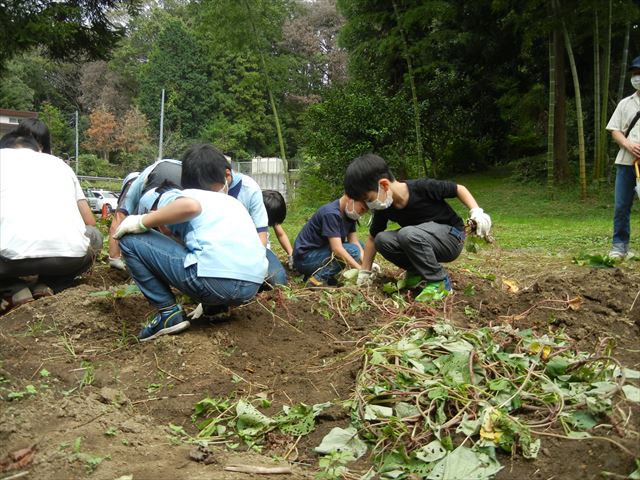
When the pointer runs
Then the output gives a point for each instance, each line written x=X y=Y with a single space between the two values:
x=510 y=286
x=575 y=303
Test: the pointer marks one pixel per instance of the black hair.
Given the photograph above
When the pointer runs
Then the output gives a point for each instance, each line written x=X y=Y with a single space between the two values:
x=275 y=205
x=38 y=130
x=202 y=165
x=15 y=139
x=363 y=175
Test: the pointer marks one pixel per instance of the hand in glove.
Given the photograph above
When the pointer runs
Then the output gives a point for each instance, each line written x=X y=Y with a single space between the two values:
x=117 y=263
x=290 y=262
x=482 y=221
x=131 y=224
x=365 y=278
x=375 y=268
x=196 y=313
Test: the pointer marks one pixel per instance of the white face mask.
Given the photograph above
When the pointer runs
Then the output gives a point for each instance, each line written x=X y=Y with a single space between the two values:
x=377 y=204
x=351 y=213
x=224 y=190
x=635 y=81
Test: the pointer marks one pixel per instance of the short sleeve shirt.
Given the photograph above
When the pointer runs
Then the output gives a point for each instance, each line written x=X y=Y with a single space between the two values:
x=150 y=177
x=620 y=121
x=249 y=193
x=426 y=204
x=327 y=222
x=222 y=239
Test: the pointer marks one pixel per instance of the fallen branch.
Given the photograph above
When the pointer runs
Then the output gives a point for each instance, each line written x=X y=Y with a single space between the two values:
x=259 y=470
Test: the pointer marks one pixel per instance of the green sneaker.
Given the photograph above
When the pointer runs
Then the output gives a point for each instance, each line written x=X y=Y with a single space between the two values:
x=410 y=280
x=435 y=291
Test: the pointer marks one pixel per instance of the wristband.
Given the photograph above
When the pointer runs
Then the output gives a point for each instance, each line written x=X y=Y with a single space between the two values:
x=142 y=227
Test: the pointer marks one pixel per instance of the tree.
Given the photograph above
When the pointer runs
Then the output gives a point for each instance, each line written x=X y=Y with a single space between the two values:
x=14 y=92
x=101 y=133
x=255 y=27
x=65 y=29
x=133 y=134
x=59 y=128
x=101 y=86
x=177 y=63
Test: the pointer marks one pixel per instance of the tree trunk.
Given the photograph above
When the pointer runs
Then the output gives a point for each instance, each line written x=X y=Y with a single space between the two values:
x=596 y=94
x=414 y=95
x=623 y=64
x=272 y=101
x=602 y=133
x=576 y=87
x=560 y=154
x=551 y=115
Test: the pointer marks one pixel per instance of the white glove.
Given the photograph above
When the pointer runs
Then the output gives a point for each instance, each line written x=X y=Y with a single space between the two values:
x=117 y=263
x=290 y=262
x=365 y=278
x=131 y=224
x=196 y=313
x=483 y=221
x=375 y=268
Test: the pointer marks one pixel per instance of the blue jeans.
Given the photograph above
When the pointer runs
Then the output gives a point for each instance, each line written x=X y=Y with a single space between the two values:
x=276 y=275
x=322 y=264
x=624 y=194
x=157 y=263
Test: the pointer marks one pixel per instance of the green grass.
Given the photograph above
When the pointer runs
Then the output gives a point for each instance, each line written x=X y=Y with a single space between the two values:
x=524 y=218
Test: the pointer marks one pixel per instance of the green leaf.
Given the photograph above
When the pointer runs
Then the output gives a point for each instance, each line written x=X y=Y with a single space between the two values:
x=431 y=452
x=375 y=412
x=582 y=420
x=632 y=393
x=44 y=373
x=467 y=464
x=342 y=440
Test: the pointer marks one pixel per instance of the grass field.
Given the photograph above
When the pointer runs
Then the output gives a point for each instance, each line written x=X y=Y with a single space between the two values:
x=524 y=218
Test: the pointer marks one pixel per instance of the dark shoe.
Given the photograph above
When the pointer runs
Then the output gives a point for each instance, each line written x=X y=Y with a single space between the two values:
x=165 y=322
x=211 y=310
x=435 y=291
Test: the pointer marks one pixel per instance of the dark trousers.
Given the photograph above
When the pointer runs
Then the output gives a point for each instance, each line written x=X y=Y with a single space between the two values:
x=420 y=248
x=56 y=272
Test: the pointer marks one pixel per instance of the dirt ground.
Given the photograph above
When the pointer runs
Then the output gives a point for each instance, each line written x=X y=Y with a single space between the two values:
x=109 y=397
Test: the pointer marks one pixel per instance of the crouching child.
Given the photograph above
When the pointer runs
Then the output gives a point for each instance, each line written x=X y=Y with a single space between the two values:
x=430 y=230
x=220 y=260
x=328 y=242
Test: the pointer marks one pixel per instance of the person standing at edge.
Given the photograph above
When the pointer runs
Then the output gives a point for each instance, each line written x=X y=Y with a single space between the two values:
x=625 y=130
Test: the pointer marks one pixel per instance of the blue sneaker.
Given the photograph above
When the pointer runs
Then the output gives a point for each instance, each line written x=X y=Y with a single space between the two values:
x=435 y=291
x=165 y=322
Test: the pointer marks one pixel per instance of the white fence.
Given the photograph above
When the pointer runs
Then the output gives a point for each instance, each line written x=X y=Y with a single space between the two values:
x=267 y=172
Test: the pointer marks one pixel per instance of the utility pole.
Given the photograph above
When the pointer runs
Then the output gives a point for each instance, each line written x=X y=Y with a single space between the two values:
x=76 y=142
x=161 y=125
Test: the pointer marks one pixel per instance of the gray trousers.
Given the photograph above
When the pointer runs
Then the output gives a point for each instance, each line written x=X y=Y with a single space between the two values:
x=420 y=248
x=56 y=272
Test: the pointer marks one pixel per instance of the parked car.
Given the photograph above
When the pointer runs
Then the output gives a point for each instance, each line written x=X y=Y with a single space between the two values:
x=98 y=198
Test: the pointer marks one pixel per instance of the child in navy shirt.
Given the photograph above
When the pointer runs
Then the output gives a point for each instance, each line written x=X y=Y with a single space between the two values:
x=328 y=242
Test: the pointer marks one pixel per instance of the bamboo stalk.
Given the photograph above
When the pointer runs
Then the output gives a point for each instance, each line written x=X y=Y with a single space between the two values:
x=579 y=117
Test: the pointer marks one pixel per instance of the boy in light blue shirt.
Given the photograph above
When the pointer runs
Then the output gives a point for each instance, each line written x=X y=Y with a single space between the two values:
x=220 y=260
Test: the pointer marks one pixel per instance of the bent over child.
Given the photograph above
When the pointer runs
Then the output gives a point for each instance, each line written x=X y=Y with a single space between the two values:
x=430 y=230
x=221 y=260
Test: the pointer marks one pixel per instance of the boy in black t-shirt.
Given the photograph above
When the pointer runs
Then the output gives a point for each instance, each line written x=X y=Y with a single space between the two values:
x=328 y=242
x=431 y=232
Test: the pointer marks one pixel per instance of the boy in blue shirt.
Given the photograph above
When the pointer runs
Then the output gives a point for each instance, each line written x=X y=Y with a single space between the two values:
x=220 y=260
x=328 y=242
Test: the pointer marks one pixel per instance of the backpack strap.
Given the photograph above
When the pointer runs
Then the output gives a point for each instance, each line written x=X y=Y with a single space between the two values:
x=632 y=124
